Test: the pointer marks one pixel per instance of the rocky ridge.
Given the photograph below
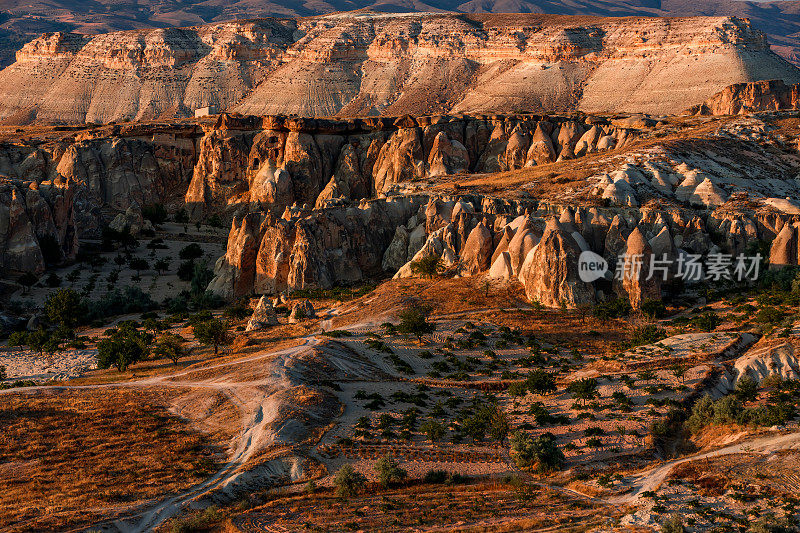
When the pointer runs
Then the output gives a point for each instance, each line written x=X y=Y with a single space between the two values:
x=276 y=162
x=665 y=200
x=371 y=64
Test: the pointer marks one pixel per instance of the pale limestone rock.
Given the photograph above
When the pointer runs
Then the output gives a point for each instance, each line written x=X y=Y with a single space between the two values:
x=550 y=272
x=516 y=150
x=707 y=194
x=620 y=193
x=303 y=161
x=541 y=150
x=330 y=194
x=397 y=253
x=501 y=267
x=447 y=156
x=263 y=316
x=606 y=142
x=636 y=269
x=521 y=244
x=477 y=252
x=785 y=249
x=401 y=158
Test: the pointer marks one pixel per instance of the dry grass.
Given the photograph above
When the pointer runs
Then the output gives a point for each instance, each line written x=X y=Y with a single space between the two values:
x=505 y=304
x=475 y=507
x=74 y=457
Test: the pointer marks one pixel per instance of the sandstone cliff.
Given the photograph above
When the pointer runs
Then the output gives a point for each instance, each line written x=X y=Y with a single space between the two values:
x=367 y=64
x=750 y=97
x=275 y=162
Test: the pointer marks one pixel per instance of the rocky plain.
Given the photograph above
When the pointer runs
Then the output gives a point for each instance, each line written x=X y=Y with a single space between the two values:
x=420 y=273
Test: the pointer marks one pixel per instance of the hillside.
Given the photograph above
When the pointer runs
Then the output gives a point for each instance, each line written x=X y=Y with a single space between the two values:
x=370 y=64
x=24 y=21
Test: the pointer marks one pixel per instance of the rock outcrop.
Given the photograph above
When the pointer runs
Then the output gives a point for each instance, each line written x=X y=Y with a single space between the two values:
x=550 y=271
x=263 y=316
x=274 y=162
x=352 y=65
x=750 y=97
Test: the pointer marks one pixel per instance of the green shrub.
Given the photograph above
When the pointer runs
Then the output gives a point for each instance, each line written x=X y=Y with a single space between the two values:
x=618 y=308
x=389 y=471
x=541 y=452
x=348 y=482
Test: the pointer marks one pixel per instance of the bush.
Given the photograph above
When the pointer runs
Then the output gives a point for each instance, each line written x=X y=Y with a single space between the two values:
x=706 y=322
x=540 y=381
x=186 y=270
x=646 y=335
x=428 y=267
x=389 y=471
x=414 y=321
x=348 y=482
x=654 y=309
x=673 y=524
x=434 y=429
x=201 y=277
x=191 y=251
x=124 y=347
x=64 y=307
x=129 y=299
x=618 y=308
x=169 y=346
x=52 y=280
x=541 y=451
x=212 y=332
x=138 y=264
x=181 y=217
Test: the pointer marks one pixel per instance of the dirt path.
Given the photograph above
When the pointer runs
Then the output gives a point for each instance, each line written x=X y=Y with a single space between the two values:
x=653 y=478
x=255 y=405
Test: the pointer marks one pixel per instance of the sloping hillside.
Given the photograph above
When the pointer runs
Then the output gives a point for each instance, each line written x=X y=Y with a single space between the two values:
x=371 y=64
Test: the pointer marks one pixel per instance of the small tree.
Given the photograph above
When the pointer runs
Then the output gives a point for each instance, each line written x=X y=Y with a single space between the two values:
x=427 y=267
x=348 y=482
x=540 y=381
x=389 y=471
x=138 y=264
x=169 y=346
x=584 y=389
x=213 y=332
x=64 y=307
x=123 y=348
x=541 y=451
x=746 y=389
x=434 y=429
x=191 y=251
x=414 y=321
x=499 y=425
x=679 y=371
x=161 y=265
x=673 y=524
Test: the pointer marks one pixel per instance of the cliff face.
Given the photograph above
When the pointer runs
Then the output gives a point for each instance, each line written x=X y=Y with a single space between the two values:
x=55 y=193
x=371 y=64
x=752 y=97
x=275 y=162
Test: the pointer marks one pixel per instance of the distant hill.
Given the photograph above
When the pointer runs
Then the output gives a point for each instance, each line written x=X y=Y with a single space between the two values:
x=23 y=20
x=377 y=64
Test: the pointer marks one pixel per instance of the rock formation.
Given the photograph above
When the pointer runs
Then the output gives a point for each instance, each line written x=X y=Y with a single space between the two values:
x=750 y=97
x=550 y=271
x=263 y=316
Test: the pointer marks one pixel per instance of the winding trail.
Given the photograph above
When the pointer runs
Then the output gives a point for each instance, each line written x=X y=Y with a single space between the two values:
x=653 y=478
x=250 y=439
